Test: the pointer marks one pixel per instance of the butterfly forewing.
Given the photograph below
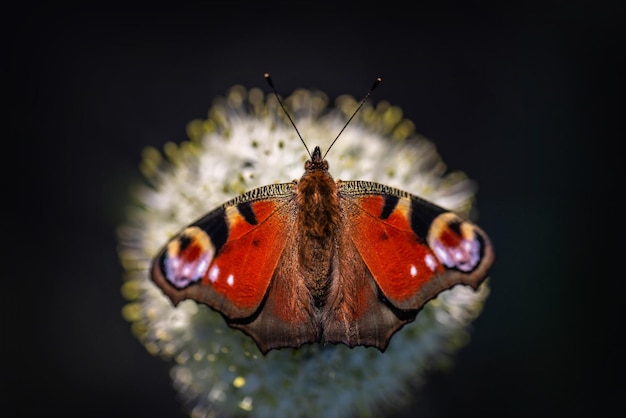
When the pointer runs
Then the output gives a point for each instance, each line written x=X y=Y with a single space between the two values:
x=205 y=262
x=413 y=248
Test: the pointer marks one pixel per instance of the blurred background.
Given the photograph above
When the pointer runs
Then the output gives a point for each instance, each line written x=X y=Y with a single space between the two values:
x=521 y=97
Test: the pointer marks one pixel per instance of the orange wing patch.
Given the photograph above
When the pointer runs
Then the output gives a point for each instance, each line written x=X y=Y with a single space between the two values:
x=230 y=274
x=398 y=259
x=243 y=276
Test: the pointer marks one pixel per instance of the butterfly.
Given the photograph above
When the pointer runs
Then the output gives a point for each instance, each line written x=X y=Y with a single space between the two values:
x=322 y=260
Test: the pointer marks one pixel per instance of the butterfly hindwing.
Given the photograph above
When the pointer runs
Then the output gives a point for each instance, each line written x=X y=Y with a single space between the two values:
x=413 y=248
x=354 y=314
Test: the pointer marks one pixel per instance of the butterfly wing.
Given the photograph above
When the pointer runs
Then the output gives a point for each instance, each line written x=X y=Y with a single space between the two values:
x=353 y=314
x=232 y=257
x=411 y=248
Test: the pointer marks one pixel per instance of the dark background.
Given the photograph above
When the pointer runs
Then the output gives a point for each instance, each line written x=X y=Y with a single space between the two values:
x=521 y=97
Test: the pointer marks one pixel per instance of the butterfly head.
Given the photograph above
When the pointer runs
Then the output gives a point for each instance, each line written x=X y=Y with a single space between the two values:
x=317 y=162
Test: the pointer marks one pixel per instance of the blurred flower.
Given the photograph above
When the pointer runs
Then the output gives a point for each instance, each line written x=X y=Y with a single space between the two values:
x=244 y=143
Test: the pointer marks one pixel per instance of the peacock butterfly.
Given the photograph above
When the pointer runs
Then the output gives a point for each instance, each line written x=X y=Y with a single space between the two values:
x=322 y=260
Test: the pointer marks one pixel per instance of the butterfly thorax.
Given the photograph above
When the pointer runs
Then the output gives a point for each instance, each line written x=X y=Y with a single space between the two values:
x=318 y=217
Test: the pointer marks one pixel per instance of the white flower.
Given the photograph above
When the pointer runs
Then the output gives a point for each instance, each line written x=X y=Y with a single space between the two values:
x=247 y=142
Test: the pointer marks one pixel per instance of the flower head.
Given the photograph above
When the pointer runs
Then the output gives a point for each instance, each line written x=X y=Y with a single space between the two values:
x=246 y=142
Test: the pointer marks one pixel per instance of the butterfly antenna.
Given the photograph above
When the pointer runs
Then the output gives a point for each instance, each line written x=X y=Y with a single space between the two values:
x=280 y=102
x=376 y=83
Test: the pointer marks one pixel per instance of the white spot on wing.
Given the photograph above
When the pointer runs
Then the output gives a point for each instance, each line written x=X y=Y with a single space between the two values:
x=214 y=273
x=230 y=280
x=430 y=262
x=413 y=270
x=187 y=270
x=202 y=266
x=442 y=255
x=465 y=256
x=457 y=255
x=174 y=262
